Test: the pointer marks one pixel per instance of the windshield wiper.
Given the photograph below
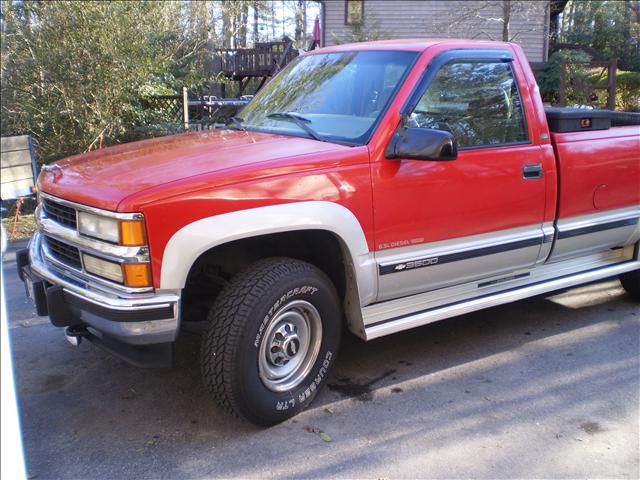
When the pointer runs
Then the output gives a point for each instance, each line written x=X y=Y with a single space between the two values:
x=237 y=122
x=299 y=120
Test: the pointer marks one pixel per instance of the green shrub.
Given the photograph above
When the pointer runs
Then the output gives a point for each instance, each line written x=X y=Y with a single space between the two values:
x=579 y=76
x=76 y=71
x=628 y=91
x=548 y=76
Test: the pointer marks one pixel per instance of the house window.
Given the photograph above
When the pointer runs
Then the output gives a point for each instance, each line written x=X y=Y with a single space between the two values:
x=354 y=12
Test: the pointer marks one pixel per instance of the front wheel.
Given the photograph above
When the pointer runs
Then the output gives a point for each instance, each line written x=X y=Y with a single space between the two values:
x=272 y=340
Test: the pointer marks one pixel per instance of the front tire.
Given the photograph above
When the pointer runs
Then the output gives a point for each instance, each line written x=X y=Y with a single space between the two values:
x=272 y=339
x=631 y=283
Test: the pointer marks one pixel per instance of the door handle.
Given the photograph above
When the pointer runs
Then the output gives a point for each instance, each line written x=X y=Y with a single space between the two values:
x=532 y=171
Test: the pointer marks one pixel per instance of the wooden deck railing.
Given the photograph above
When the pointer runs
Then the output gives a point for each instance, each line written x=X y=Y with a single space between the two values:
x=260 y=61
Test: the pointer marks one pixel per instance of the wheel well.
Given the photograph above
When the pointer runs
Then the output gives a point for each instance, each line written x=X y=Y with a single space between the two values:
x=215 y=267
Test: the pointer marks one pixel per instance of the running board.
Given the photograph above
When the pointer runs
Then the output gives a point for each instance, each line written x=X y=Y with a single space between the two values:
x=382 y=326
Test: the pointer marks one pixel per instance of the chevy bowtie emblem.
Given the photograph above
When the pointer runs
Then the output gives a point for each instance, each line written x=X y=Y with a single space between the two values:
x=402 y=266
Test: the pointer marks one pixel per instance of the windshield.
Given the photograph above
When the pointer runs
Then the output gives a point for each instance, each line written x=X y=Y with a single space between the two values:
x=333 y=96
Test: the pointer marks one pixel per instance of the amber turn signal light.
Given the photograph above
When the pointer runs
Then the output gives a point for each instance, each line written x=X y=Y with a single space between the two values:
x=137 y=274
x=132 y=233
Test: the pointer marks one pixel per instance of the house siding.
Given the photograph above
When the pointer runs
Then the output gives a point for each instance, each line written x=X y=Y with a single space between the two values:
x=473 y=19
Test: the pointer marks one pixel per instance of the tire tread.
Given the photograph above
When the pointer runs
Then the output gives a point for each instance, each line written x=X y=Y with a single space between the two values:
x=227 y=320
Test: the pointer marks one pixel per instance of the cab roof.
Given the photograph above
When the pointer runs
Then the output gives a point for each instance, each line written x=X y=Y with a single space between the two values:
x=410 y=45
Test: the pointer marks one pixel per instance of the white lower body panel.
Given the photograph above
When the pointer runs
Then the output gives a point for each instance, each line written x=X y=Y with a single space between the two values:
x=408 y=312
x=580 y=235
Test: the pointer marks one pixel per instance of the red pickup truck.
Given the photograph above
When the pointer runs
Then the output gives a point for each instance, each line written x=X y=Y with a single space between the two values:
x=380 y=186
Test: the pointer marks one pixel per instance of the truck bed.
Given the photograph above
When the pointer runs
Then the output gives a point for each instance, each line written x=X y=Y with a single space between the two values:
x=595 y=169
x=598 y=184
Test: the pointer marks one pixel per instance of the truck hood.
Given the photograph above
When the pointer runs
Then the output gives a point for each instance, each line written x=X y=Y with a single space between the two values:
x=104 y=178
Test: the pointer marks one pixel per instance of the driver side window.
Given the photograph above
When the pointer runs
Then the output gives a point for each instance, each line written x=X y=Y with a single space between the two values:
x=478 y=102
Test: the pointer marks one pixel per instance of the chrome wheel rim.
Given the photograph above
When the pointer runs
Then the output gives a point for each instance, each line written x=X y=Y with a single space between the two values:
x=290 y=346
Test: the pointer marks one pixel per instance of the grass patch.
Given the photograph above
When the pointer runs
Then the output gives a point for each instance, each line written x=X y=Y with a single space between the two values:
x=24 y=228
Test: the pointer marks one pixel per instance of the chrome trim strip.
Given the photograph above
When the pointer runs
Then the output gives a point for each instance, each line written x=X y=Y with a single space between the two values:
x=108 y=251
x=510 y=278
x=457 y=245
x=126 y=306
x=408 y=265
x=592 y=219
x=94 y=210
x=599 y=227
x=117 y=303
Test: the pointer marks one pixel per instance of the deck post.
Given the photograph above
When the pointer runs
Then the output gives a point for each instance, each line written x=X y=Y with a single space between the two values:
x=185 y=107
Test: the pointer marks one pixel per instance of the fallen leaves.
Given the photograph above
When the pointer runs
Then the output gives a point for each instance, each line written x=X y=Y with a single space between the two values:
x=315 y=430
x=152 y=442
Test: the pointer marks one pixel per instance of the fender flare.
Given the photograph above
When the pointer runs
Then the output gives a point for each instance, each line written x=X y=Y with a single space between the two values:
x=192 y=240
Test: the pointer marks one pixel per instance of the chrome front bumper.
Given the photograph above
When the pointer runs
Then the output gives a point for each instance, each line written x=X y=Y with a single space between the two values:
x=134 y=319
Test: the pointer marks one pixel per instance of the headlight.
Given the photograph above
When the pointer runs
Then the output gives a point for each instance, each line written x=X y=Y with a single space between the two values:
x=122 y=232
x=129 y=274
x=104 y=228
x=103 y=268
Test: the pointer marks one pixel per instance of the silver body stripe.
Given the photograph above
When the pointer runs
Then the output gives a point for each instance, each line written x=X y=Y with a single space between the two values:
x=568 y=246
x=416 y=280
x=591 y=219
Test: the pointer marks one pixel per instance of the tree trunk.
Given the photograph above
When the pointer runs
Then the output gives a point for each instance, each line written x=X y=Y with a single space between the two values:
x=273 y=20
x=299 y=18
x=570 y=18
x=192 y=19
x=256 y=23
x=506 y=19
x=6 y=13
x=208 y=25
x=626 y=31
x=227 y=25
x=304 y=21
x=242 y=27
x=599 y=24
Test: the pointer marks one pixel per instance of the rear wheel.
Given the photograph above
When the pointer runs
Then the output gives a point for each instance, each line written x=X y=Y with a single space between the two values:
x=272 y=338
x=631 y=283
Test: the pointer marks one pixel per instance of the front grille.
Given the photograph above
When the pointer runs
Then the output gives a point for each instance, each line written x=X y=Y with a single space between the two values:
x=59 y=213
x=63 y=253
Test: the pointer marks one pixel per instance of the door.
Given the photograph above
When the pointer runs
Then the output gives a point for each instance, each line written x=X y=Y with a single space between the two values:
x=441 y=223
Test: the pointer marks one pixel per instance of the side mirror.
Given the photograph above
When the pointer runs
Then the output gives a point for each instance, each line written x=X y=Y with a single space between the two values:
x=422 y=144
